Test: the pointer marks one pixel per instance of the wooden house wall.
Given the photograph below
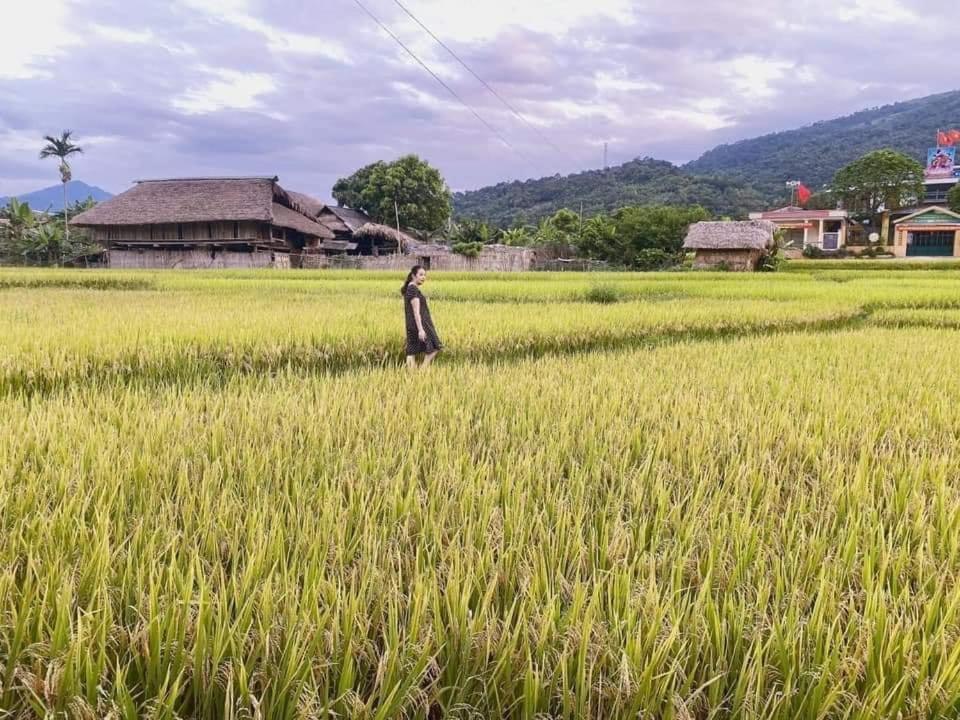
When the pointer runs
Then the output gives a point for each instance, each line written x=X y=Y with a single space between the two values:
x=194 y=259
x=739 y=260
x=200 y=233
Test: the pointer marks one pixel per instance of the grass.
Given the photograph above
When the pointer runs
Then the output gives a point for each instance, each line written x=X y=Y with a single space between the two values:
x=721 y=497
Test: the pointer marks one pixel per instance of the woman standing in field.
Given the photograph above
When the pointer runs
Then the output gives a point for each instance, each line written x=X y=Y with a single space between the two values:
x=422 y=337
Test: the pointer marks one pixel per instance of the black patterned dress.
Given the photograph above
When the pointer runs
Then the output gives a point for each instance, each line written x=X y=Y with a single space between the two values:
x=415 y=345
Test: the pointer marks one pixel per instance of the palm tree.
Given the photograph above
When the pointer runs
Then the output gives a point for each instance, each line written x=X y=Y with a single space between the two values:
x=62 y=147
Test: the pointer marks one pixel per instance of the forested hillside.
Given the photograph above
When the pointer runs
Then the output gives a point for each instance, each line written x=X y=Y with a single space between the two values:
x=813 y=154
x=639 y=182
x=730 y=179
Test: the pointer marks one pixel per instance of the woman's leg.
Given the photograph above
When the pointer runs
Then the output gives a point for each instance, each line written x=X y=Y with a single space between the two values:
x=428 y=358
x=411 y=362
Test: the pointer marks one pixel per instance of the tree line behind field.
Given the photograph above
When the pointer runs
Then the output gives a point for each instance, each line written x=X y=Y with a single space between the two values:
x=646 y=235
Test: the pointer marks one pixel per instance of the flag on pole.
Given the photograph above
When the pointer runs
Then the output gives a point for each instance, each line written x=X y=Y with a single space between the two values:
x=803 y=193
x=948 y=138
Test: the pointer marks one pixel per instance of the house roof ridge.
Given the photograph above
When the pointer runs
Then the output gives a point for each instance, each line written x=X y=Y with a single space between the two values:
x=209 y=178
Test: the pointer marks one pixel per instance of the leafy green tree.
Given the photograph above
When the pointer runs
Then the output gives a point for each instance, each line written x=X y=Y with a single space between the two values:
x=953 y=198
x=882 y=178
x=566 y=222
x=599 y=239
x=654 y=227
x=32 y=239
x=62 y=147
x=470 y=231
x=19 y=216
x=557 y=235
x=516 y=237
x=408 y=186
x=348 y=191
x=823 y=200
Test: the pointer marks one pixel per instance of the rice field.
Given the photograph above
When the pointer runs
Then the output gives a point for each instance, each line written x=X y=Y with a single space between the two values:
x=716 y=496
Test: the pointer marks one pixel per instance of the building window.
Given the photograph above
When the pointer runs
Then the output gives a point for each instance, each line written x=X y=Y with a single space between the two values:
x=209 y=231
x=236 y=231
x=179 y=231
x=278 y=233
x=936 y=193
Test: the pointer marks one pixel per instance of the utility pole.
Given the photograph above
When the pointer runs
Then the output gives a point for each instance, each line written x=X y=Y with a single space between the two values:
x=396 y=210
x=793 y=185
x=605 y=147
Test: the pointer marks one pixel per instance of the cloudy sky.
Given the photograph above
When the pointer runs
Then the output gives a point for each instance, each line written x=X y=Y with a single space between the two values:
x=312 y=89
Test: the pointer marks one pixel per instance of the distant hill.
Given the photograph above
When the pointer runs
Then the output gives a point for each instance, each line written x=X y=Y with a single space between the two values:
x=638 y=182
x=730 y=179
x=813 y=154
x=51 y=198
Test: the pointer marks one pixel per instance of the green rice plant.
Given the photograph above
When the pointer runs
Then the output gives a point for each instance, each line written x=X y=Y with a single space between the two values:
x=567 y=517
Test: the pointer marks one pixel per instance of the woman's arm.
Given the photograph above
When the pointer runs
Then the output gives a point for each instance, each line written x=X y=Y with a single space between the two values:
x=415 y=304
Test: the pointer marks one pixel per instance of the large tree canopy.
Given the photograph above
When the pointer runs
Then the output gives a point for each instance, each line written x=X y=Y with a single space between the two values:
x=631 y=233
x=419 y=191
x=882 y=178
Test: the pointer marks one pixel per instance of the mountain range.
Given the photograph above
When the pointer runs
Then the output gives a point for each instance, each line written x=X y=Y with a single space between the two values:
x=731 y=179
x=51 y=198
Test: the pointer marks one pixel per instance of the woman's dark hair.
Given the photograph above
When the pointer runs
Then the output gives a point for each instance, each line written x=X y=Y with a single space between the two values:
x=410 y=276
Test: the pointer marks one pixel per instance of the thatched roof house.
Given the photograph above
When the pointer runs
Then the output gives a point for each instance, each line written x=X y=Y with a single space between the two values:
x=735 y=245
x=357 y=231
x=185 y=215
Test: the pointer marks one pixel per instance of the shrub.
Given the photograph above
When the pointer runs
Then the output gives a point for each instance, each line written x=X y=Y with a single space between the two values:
x=467 y=249
x=654 y=259
x=812 y=252
x=770 y=261
x=604 y=294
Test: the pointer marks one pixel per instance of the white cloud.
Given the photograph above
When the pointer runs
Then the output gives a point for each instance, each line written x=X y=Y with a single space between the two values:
x=20 y=141
x=873 y=11
x=623 y=82
x=237 y=13
x=426 y=99
x=226 y=90
x=123 y=35
x=472 y=21
x=753 y=76
x=697 y=117
x=42 y=34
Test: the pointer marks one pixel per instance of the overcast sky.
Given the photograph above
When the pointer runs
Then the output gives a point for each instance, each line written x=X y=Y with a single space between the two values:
x=312 y=89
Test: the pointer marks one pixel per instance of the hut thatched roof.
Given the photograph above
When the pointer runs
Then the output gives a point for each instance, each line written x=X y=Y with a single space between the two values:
x=730 y=235
x=306 y=204
x=152 y=202
x=190 y=200
x=383 y=233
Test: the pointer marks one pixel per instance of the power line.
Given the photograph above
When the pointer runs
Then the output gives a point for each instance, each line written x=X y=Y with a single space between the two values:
x=436 y=77
x=483 y=82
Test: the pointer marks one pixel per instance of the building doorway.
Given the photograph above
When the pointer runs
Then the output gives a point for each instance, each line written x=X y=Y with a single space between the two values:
x=935 y=243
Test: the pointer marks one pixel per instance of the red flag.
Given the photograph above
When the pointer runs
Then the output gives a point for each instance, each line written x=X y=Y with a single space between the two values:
x=954 y=136
x=944 y=138
x=803 y=193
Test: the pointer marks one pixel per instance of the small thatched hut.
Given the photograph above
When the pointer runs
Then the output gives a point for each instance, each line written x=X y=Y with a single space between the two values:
x=204 y=222
x=729 y=245
x=356 y=233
